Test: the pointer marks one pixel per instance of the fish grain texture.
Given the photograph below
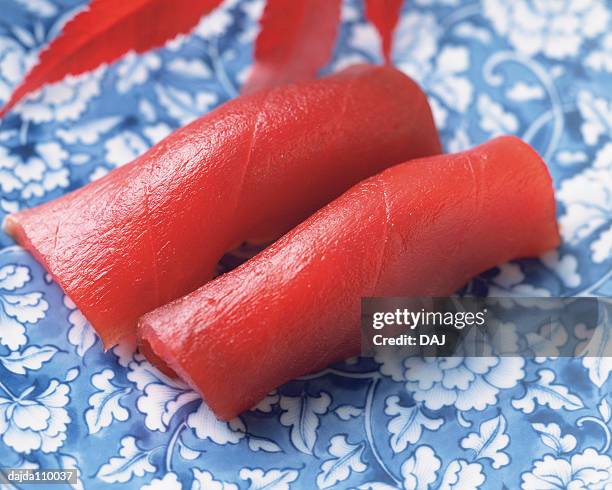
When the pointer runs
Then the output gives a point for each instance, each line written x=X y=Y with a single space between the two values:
x=152 y=230
x=421 y=228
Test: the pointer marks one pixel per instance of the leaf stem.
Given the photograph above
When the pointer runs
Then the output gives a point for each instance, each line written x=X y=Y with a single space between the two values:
x=460 y=14
x=368 y=429
x=495 y=80
x=23 y=132
x=340 y=372
x=596 y=285
x=172 y=445
x=463 y=422
x=580 y=422
x=219 y=69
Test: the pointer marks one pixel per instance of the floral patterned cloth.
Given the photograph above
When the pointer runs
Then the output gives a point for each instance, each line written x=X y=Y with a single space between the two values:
x=537 y=68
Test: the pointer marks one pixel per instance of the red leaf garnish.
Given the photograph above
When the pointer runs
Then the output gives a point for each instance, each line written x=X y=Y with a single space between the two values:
x=384 y=14
x=106 y=30
x=296 y=39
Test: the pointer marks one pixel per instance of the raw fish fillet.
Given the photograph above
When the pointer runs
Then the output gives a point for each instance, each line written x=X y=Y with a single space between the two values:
x=421 y=228
x=151 y=231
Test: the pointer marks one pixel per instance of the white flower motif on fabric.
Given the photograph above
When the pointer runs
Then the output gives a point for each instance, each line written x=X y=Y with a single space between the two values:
x=135 y=70
x=161 y=396
x=80 y=334
x=488 y=68
x=601 y=59
x=587 y=198
x=105 y=403
x=584 y=470
x=467 y=383
x=31 y=358
x=346 y=459
x=124 y=147
x=441 y=71
x=545 y=392
x=35 y=171
x=552 y=437
x=462 y=475
x=490 y=442
x=272 y=479
x=204 y=480
x=555 y=29
x=14 y=61
x=131 y=461
x=168 y=482
x=17 y=309
x=420 y=470
x=207 y=426
x=301 y=414
x=31 y=422
x=62 y=101
x=407 y=424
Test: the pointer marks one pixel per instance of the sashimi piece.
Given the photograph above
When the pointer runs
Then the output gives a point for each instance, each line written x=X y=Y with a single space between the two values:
x=421 y=228
x=153 y=230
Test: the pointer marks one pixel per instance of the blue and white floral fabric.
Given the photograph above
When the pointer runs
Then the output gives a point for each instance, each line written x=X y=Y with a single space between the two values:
x=540 y=69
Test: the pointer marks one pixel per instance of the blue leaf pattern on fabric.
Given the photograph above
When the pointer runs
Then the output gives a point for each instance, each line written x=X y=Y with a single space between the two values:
x=488 y=67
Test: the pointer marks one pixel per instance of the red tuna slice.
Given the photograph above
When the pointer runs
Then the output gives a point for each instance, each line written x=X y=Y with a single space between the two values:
x=422 y=228
x=153 y=230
